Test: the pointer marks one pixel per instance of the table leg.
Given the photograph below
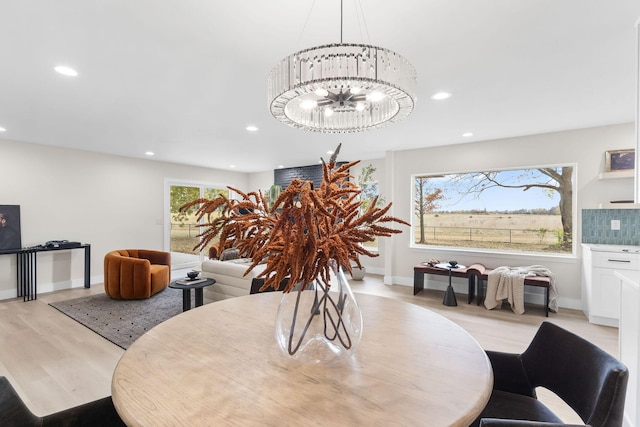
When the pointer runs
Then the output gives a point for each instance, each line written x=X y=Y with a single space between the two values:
x=546 y=301
x=450 y=295
x=20 y=279
x=199 y=297
x=480 y=290
x=87 y=266
x=472 y=288
x=27 y=275
x=418 y=281
x=186 y=299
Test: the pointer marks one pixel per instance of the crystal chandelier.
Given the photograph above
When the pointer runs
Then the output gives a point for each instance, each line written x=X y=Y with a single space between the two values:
x=342 y=88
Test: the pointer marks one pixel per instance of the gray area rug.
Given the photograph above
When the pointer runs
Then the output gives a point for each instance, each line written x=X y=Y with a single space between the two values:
x=123 y=321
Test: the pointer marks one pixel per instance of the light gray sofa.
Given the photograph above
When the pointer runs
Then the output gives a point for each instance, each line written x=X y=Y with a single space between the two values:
x=229 y=277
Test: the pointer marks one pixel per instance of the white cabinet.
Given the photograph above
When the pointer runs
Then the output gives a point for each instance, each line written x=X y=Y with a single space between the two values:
x=600 y=286
x=629 y=342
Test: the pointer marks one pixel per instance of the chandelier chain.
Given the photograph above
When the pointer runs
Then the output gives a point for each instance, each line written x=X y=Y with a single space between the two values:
x=341 y=18
x=304 y=27
x=364 y=23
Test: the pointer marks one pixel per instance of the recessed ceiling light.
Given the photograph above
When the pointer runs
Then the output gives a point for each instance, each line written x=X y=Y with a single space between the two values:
x=467 y=134
x=252 y=128
x=329 y=152
x=280 y=166
x=66 y=71
x=440 y=96
x=232 y=166
x=149 y=153
x=2 y=129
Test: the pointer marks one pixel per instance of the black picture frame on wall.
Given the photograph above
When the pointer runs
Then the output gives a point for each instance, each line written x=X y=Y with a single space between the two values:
x=10 y=236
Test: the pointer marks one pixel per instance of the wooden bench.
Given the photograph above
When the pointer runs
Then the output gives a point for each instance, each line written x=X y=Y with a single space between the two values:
x=421 y=269
x=477 y=276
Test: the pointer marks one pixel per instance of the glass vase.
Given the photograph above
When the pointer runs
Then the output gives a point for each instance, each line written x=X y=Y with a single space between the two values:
x=321 y=324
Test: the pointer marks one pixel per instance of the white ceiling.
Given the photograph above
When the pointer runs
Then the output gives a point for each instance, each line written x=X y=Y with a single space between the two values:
x=183 y=78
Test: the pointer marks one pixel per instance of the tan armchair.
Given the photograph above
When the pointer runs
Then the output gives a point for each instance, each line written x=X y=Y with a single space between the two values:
x=136 y=273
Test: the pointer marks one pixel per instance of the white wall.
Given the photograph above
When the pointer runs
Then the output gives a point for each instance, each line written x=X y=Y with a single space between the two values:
x=261 y=181
x=108 y=201
x=583 y=147
x=116 y=202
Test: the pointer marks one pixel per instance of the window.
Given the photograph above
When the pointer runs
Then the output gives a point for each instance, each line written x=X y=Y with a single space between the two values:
x=521 y=210
x=369 y=191
x=184 y=228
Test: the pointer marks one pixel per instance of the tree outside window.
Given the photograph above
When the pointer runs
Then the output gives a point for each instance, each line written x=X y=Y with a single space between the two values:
x=522 y=210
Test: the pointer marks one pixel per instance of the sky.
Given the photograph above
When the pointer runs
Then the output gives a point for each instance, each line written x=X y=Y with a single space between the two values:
x=492 y=199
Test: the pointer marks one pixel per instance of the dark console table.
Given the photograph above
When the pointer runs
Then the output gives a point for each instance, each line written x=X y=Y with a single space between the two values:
x=27 y=268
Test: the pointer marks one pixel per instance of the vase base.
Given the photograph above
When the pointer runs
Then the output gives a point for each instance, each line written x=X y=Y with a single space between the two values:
x=320 y=351
x=319 y=325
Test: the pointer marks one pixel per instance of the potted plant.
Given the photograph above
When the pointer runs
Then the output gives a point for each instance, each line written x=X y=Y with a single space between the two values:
x=306 y=235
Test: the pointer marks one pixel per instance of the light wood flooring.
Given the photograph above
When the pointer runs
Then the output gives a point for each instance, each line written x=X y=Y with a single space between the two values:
x=55 y=363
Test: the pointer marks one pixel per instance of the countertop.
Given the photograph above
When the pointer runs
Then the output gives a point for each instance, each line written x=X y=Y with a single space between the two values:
x=612 y=248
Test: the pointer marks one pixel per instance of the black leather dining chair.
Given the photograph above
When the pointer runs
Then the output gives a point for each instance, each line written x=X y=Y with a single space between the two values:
x=588 y=379
x=495 y=422
x=14 y=413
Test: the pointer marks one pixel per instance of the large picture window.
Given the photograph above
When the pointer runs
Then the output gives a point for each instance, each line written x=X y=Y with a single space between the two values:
x=521 y=210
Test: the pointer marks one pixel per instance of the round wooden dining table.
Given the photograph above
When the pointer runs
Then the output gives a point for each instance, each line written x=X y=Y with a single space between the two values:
x=219 y=364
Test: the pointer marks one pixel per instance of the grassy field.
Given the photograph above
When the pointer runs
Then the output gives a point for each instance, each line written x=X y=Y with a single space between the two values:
x=538 y=233
x=183 y=244
x=184 y=235
x=527 y=233
x=183 y=240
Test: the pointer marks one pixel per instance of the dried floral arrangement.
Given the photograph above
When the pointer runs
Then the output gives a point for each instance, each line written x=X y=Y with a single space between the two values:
x=302 y=230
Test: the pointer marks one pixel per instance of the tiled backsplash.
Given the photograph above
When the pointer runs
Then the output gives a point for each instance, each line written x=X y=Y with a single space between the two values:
x=596 y=226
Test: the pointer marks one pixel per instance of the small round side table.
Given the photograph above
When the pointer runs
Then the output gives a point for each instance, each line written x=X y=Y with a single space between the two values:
x=186 y=290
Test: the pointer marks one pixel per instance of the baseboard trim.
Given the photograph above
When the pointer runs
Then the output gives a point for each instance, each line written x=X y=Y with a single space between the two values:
x=43 y=288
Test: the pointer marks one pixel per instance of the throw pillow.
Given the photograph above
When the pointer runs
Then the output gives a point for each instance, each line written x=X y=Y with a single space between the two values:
x=229 y=254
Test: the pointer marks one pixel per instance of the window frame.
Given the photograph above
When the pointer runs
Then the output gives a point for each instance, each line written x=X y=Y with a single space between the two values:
x=502 y=251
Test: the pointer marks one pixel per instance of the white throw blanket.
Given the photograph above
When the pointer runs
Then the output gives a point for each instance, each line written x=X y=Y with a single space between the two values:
x=508 y=283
